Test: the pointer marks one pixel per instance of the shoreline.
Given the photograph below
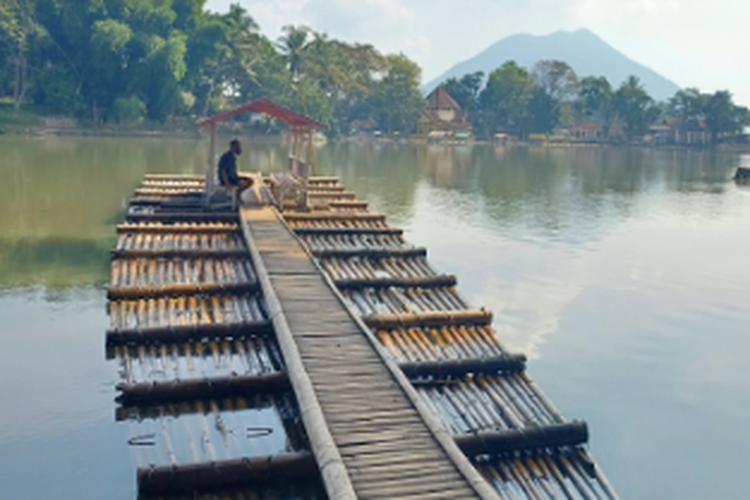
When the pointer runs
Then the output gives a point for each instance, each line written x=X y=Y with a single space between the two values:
x=42 y=131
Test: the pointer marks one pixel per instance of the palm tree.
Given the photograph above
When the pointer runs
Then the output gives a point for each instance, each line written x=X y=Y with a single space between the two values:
x=294 y=45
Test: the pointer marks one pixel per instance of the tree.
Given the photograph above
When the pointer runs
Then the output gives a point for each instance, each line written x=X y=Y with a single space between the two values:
x=293 y=45
x=722 y=116
x=109 y=39
x=115 y=60
x=544 y=112
x=18 y=25
x=504 y=101
x=556 y=79
x=597 y=100
x=687 y=104
x=635 y=107
x=397 y=102
x=466 y=90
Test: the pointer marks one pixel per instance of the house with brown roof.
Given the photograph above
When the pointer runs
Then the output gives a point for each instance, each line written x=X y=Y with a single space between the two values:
x=443 y=114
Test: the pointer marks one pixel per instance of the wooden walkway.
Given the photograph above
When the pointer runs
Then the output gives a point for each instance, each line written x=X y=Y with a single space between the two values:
x=385 y=447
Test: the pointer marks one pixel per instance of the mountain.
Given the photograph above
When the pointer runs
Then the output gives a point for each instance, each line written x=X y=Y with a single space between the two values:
x=583 y=50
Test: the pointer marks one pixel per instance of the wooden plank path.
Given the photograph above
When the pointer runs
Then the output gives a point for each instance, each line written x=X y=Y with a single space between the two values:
x=383 y=447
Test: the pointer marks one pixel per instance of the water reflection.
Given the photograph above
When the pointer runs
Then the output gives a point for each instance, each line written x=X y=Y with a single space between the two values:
x=621 y=272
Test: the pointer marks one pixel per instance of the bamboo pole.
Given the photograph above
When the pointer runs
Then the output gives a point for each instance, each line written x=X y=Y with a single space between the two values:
x=196 y=216
x=426 y=319
x=334 y=216
x=214 y=387
x=231 y=253
x=529 y=438
x=421 y=281
x=190 y=332
x=216 y=227
x=461 y=367
x=175 y=289
x=348 y=230
x=281 y=469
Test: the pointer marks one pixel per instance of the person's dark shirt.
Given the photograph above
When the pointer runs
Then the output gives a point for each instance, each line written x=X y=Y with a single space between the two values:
x=228 y=165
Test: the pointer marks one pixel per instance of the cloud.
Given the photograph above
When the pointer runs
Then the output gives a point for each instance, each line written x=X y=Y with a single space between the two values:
x=693 y=42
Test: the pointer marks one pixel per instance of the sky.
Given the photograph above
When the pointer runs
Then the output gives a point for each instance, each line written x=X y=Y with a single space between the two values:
x=695 y=43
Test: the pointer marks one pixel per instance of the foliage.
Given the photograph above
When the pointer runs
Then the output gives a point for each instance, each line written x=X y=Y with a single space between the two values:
x=124 y=60
x=597 y=101
x=129 y=110
x=465 y=91
x=397 y=103
x=556 y=79
x=635 y=107
x=505 y=100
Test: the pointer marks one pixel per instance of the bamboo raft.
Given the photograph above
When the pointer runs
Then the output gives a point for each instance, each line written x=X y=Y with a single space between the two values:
x=377 y=371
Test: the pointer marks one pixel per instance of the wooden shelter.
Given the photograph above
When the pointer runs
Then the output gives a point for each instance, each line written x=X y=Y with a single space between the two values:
x=301 y=130
x=443 y=114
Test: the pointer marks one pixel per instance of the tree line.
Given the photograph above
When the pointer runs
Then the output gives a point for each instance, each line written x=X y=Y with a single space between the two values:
x=123 y=61
x=521 y=102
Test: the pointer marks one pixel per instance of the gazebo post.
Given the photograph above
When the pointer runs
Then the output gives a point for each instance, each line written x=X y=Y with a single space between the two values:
x=209 y=187
x=311 y=152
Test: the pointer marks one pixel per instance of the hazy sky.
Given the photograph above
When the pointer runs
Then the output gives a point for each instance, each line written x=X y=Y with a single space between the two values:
x=692 y=42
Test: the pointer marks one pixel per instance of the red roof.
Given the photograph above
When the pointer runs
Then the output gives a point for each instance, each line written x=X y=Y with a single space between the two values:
x=271 y=109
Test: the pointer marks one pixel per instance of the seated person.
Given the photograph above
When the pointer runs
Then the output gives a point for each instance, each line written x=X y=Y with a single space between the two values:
x=228 y=170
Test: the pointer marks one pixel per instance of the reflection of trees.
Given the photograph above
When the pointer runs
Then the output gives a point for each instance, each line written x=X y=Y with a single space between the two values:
x=551 y=188
x=60 y=198
x=54 y=263
x=385 y=174
x=73 y=188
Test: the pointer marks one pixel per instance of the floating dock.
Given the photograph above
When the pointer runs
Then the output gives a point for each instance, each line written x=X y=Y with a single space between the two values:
x=316 y=354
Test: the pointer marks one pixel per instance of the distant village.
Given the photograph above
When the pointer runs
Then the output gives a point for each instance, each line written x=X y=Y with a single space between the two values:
x=443 y=120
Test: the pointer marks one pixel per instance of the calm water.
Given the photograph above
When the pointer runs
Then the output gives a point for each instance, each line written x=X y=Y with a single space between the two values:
x=623 y=274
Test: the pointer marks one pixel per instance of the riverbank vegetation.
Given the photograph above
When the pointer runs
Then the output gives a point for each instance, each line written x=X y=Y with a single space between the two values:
x=126 y=61
x=551 y=96
x=161 y=64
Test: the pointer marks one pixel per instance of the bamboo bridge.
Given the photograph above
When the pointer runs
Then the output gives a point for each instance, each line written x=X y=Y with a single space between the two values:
x=267 y=353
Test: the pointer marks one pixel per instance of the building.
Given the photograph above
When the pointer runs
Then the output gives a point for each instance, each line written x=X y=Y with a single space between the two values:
x=588 y=132
x=443 y=114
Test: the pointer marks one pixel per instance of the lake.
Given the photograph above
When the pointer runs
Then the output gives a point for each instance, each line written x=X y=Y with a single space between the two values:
x=622 y=273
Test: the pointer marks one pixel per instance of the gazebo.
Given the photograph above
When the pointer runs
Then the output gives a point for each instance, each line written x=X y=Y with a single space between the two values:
x=301 y=129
